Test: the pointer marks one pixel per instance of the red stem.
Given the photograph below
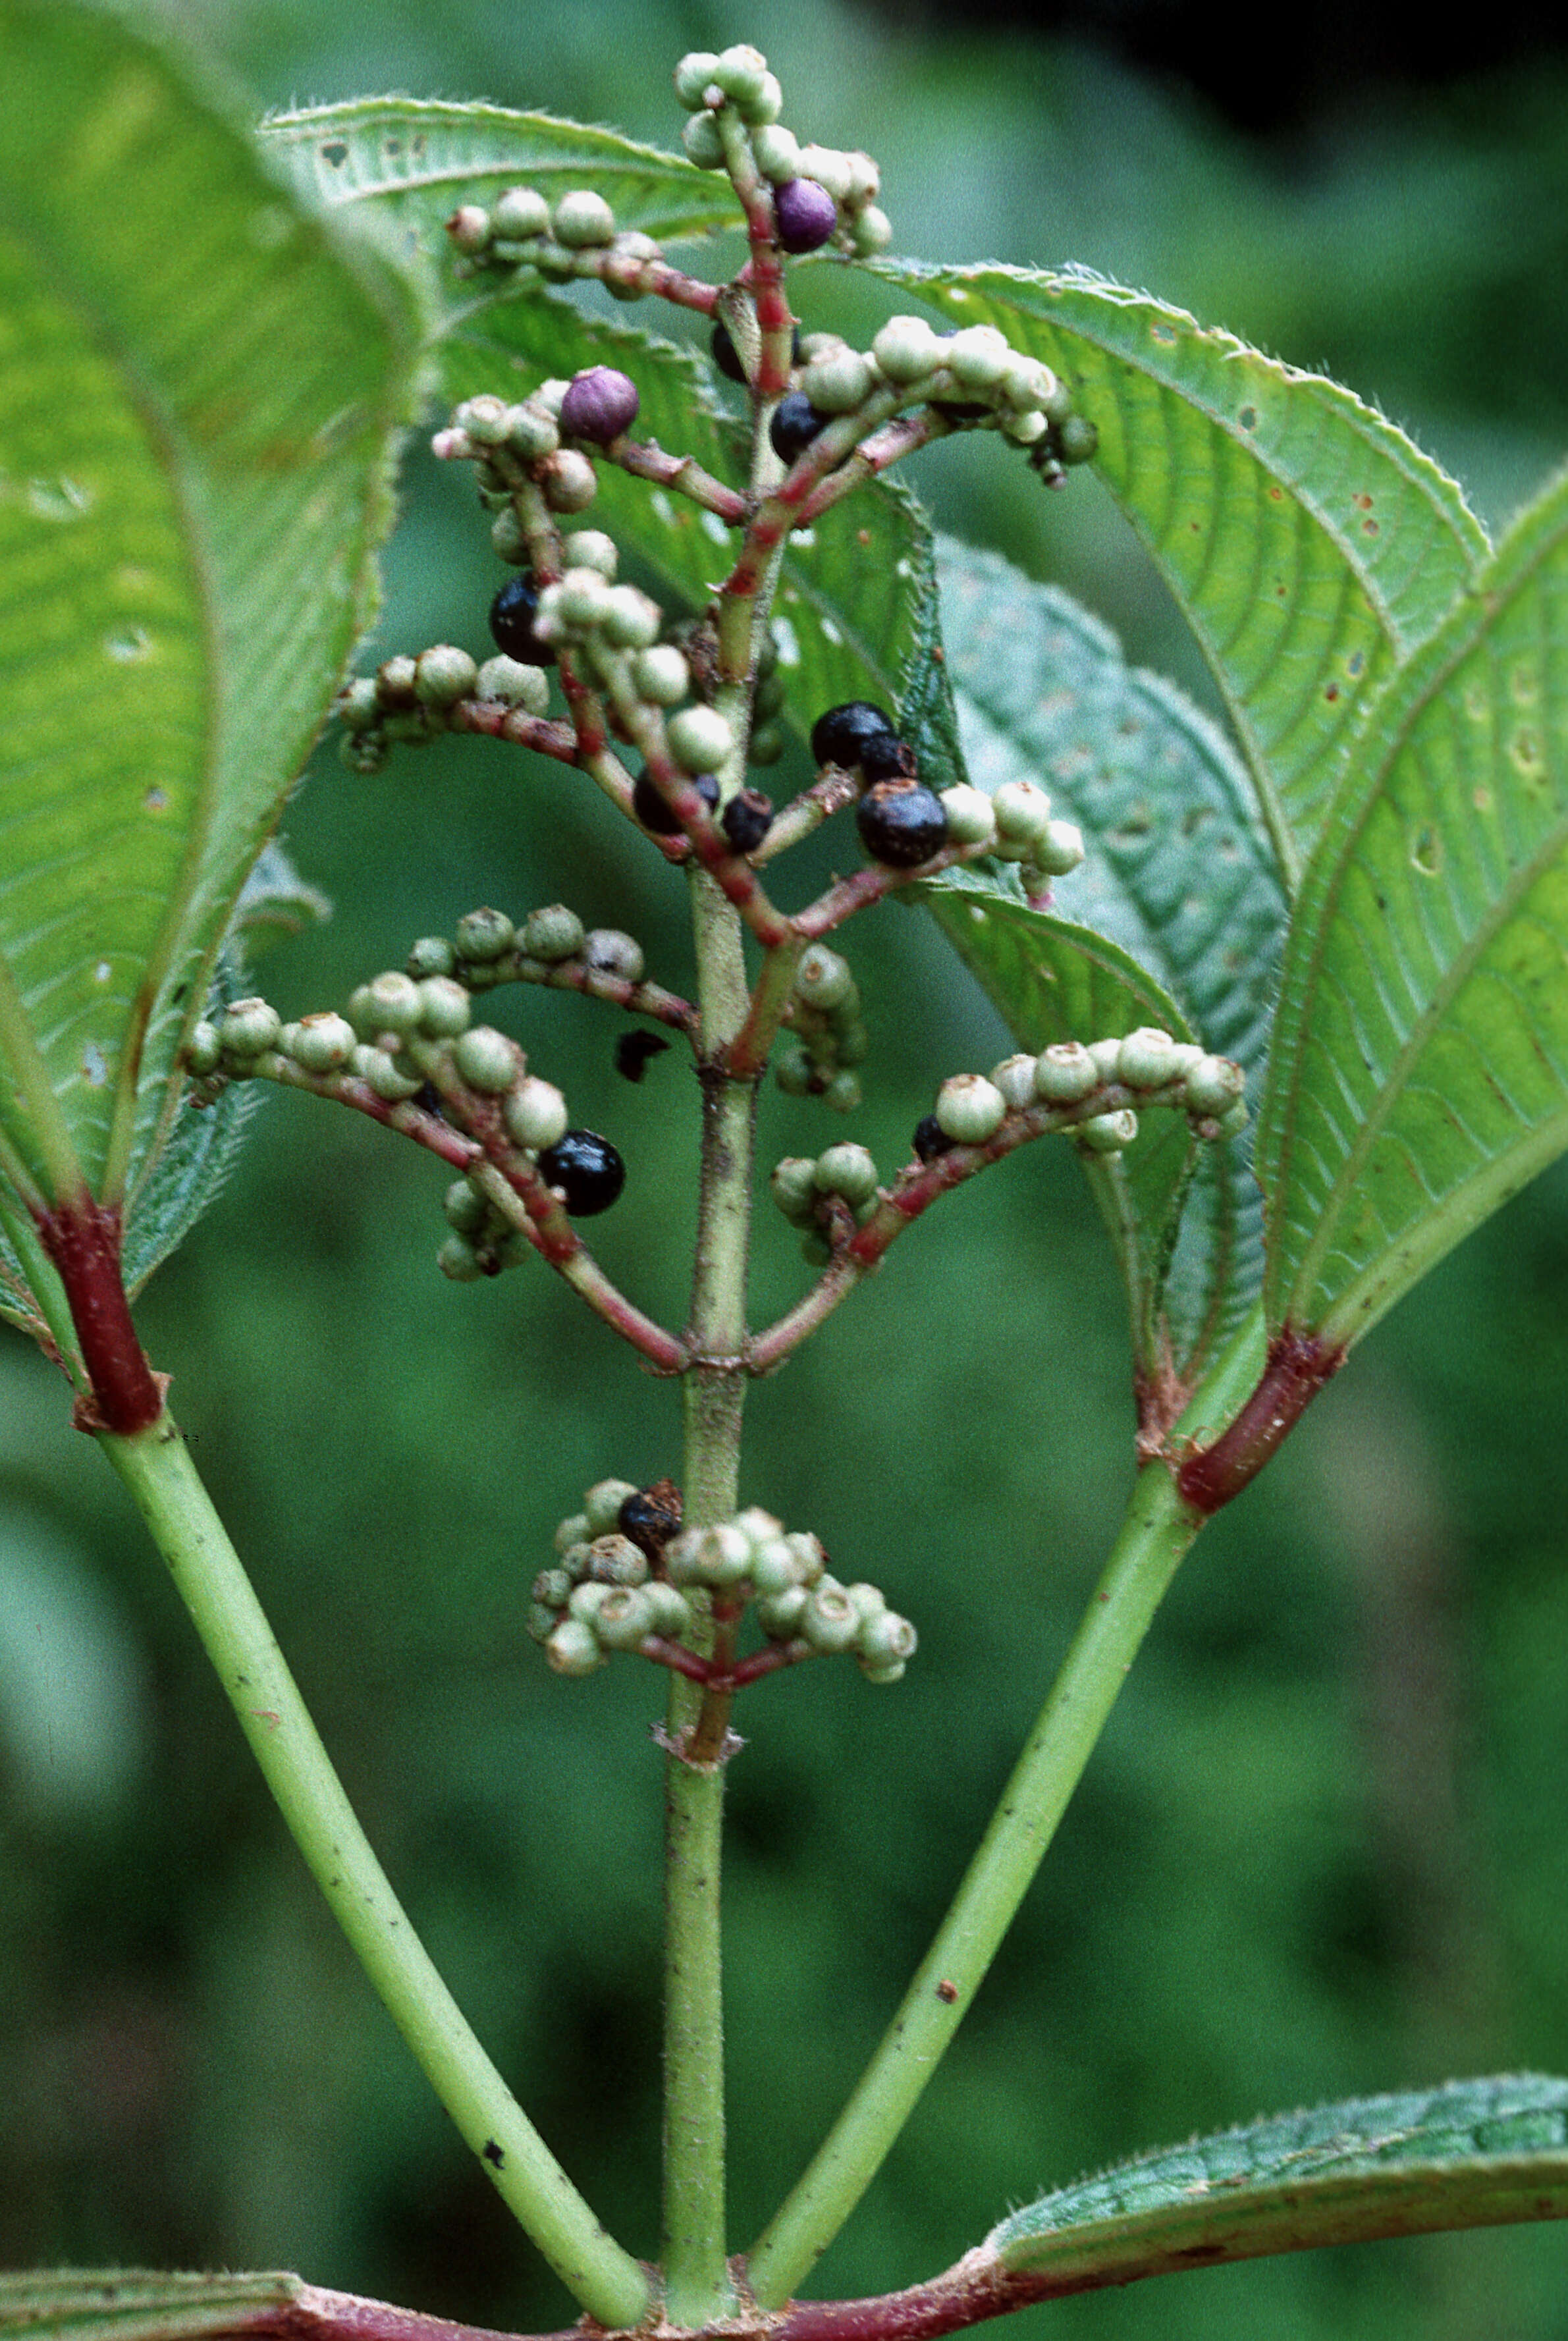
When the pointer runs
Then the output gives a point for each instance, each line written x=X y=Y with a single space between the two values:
x=83 y=1239
x=1297 y=1367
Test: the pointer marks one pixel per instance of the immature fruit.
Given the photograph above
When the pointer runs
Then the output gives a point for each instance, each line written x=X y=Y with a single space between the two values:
x=796 y=424
x=872 y=232
x=840 y=734
x=535 y=1113
x=703 y=142
x=513 y=684
x=1147 y=1059
x=573 y=1648
x=822 y=978
x=204 y=1048
x=568 y=482
x=1015 y=1077
x=1077 y=440
x=837 y=384
x=1064 y=1072
x=969 y=1109
x=907 y=349
x=1212 y=1086
x=747 y=819
x=806 y=214
x=445 y=675
x=583 y=220
x=1022 y=813
x=552 y=933
x=610 y=950
x=793 y=1188
x=653 y=812
x=631 y=619
x=444 y=1007
x=520 y=213
x=970 y=818
x=602 y=1506
x=512 y=616
x=662 y=675
x=483 y=934
x=586 y=1168
x=323 y=1043
x=1107 y=1133
x=901 y=823
x=699 y=738
x=600 y=404
x=846 y=1170
x=830 y=1621
x=776 y=151
x=486 y=1059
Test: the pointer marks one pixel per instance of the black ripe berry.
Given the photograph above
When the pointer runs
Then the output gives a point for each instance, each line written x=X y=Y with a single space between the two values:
x=901 y=823
x=839 y=736
x=651 y=1517
x=888 y=758
x=931 y=1140
x=653 y=812
x=746 y=820
x=727 y=358
x=512 y=616
x=795 y=426
x=586 y=1168
x=806 y=214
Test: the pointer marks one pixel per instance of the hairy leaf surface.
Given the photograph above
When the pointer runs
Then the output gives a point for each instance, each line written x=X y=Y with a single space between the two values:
x=1467 y=2155
x=1309 y=543
x=195 y=426
x=1420 y=1071
x=1175 y=917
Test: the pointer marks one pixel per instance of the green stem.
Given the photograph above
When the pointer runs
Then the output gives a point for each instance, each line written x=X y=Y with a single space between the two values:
x=1155 y=1534
x=156 y=1468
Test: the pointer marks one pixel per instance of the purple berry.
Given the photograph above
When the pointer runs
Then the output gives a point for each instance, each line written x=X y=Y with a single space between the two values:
x=586 y=1168
x=806 y=214
x=599 y=404
x=840 y=734
x=795 y=426
x=888 y=758
x=901 y=823
x=746 y=820
x=512 y=616
x=655 y=815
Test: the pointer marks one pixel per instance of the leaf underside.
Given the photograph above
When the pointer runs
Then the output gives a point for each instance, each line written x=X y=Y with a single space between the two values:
x=1421 y=1060
x=1310 y=546
x=1175 y=918
x=193 y=422
x=1469 y=2154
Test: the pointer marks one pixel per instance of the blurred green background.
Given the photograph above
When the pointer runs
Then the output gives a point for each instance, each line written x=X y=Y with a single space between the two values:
x=1321 y=1847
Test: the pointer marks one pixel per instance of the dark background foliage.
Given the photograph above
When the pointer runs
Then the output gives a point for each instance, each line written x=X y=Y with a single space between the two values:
x=1321 y=1847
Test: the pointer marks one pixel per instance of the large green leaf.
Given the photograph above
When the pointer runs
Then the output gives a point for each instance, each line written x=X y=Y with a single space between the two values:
x=1309 y=543
x=401 y=165
x=1175 y=918
x=1420 y=1071
x=1468 y=2155
x=197 y=391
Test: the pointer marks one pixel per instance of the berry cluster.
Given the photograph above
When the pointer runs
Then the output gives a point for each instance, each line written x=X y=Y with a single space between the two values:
x=829 y=1037
x=1148 y=1064
x=574 y=236
x=806 y=1192
x=409 y=700
x=819 y=196
x=626 y=1571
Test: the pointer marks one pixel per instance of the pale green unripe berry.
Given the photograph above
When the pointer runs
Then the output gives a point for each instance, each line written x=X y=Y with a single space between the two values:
x=970 y=818
x=248 y=1027
x=838 y=383
x=466 y=1210
x=1060 y=850
x=1233 y=1123
x=885 y=1638
x=469 y=227
x=484 y=935
x=603 y=1503
x=614 y=1559
x=532 y=431
x=869 y=1600
x=574 y=1648
x=742 y=72
x=809 y=1558
x=514 y=685
x=586 y=1600
x=892 y=1672
x=1106 y=1055
x=508 y=537
x=484 y=418
x=430 y=955
x=520 y=213
x=1022 y=813
x=631 y=619
x=773 y=1570
x=844 y=1093
x=830 y=1621
x=670 y=1610
x=1213 y=1085
x=779 y=1614
x=486 y=1059
x=767 y=744
x=693 y=76
x=760 y=1525
x=703 y=142
x=608 y=951
x=581 y=600
x=661 y=676
x=1108 y=1134
x=1015 y=1077
x=622 y=275
x=390 y=1003
x=552 y=933
x=392 y=1082
x=830 y=169
x=1146 y=1059
x=907 y=349
x=969 y=1109
x=535 y=1113
x=853 y=1041
x=1076 y=438
x=457 y=1259
x=1027 y=428
x=977 y=357
x=870 y=231
x=573 y=1530
x=204 y=1048
x=699 y=737
x=553 y=1588
x=360 y=704
x=823 y=978
x=322 y=1044
x=444 y=1008
x=569 y=481
x=445 y=675
x=792 y=1071
x=626 y=1619
x=776 y=152
x=1027 y=383
x=762 y=112
x=794 y=1189
x=846 y=1170
x=583 y=220
x=1065 y=1073
x=589 y=548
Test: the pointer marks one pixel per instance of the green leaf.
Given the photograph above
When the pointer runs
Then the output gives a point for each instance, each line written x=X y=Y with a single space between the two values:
x=1420 y=1071
x=1310 y=546
x=1174 y=917
x=134 y=2304
x=1469 y=2154
x=853 y=594
x=198 y=389
x=399 y=167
